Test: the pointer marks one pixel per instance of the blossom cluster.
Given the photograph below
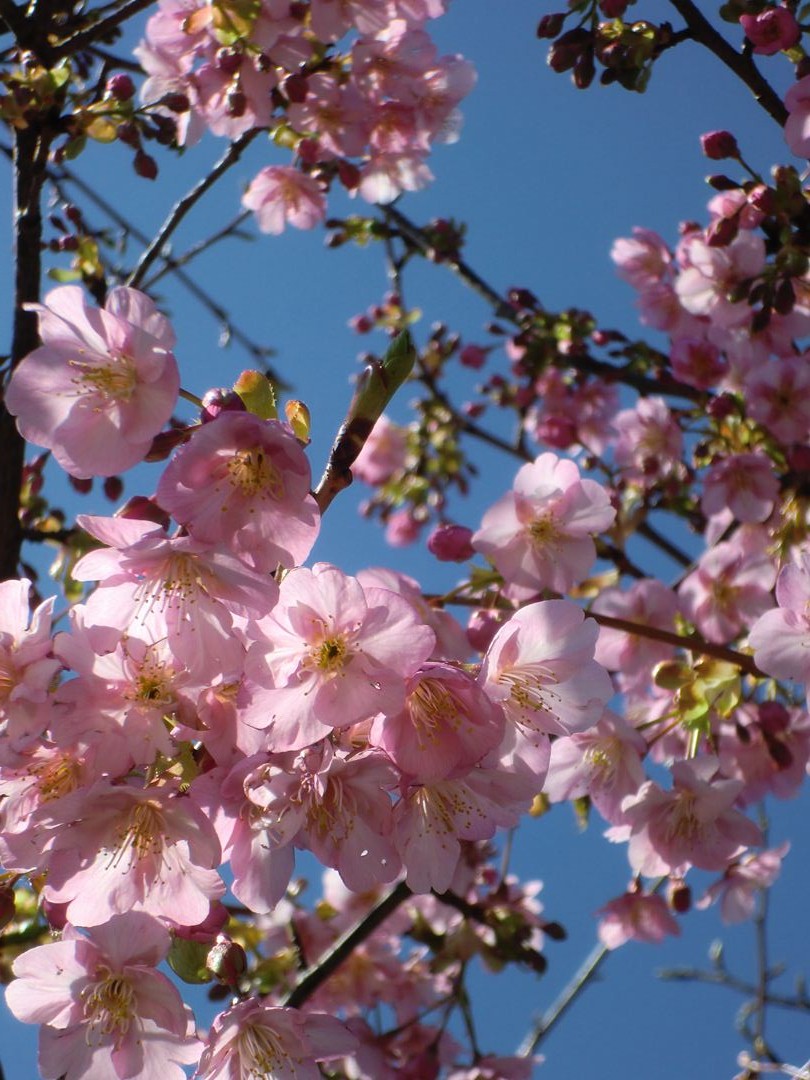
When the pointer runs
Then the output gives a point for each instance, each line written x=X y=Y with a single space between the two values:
x=366 y=116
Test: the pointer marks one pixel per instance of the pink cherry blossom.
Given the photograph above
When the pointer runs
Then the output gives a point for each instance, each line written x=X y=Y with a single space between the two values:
x=729 y=589
x=120 y=848
x=27 y=665
x=704 y=286
x=643 y=259
x=330 y=654
x=797 y=126
x=539 y=535
x=245 y=482
x=649 y=444
x=255 y=1039
x=635 y=916
x=383 y=453
x=108 y=1012
x=743 y=882
x=447 y=725
x=604 y=763
x=648 y=602
x=694 y=823
x=781 y=638
x=540 y=669
x=101 y=386
x=744 y=483
x=281 y=195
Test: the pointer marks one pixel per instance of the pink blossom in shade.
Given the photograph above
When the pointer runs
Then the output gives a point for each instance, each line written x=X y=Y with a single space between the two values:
x=742 y=883
x=540 y=669
x=101 y=386
x=781 y=638
x=693 y=824
x=777 y=395
x=772 y=30
x=539 y=535
x=768 y=748
x=649 y=445
x=431 y=819
x=336 y=114
x=643 y=259
x=386 y=176
x=660 y=307
x=176 y=587
x=451 y=641
x=729 y=590
x=446 y=726
x=120 y=848
x=27 y=665
x=281 y=195
x=697 y=363
x=797 y=126
x=704 y=286
x=107 y=1012
x=648 y=602
x=338 y=808
x=255 y=1039
x=331 y=654
x=566 y=412
x=402 y=529
x=636 y=916
x=250 y=85
x=245 y=482
x=129 y=694
x=746 y=484
x=383 y=453
x=604 y=763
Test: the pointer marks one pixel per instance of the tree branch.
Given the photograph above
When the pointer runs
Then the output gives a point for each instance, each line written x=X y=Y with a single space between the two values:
x=582 y=977
x=82 y=39
x=741 y=64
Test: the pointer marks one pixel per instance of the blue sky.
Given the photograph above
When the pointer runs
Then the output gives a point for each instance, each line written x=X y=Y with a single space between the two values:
x=546 y=177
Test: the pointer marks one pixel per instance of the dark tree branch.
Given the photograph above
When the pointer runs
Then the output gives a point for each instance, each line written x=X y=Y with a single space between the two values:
x=702 y=31
x=83 y=39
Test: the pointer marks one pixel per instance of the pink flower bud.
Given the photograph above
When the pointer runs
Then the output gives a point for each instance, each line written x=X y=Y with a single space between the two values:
x=121 y=87
x=473 y=356
x=717 y=145
x=451 y=543
x=771 y=30
x=482 y=627
x=145 y=165
x=227 y=961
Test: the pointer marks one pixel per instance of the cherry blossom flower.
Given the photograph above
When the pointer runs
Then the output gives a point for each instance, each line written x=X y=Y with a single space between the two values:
x=742 y=883
x=603 y=763
x=636 y=916
x=648 y=602
x=383 y=453
x=281 y=195
x=330 y=654
x=781 y=638
x=744 y=483
x=447 y=725
x=245 y=482
x=797 y=126
x=101 y=386
x=539 y=535
x=120 y=848
x=772 y=30
x=729 y=589
x=693 y=824
x=703 y=287
x=108 y=1012
x=643 y=259
x=255 y=1039
x=27 y=665
x=540 y=669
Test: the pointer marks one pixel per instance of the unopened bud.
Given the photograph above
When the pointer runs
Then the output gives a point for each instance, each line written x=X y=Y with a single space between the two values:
x=717 y=145
x=451 y=543
x=145 y=165
x=113 y=488
x=551 y=25
x=227 y=961
x=121 y=87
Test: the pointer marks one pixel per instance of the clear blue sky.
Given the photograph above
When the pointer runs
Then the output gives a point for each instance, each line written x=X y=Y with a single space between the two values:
x=546 y=177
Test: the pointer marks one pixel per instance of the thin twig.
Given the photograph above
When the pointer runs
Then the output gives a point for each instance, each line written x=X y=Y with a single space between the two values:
x=84 y=38
x=182 y=206
x=227 y=231
x=582 y=977
x=732 y=982
x=342 y=949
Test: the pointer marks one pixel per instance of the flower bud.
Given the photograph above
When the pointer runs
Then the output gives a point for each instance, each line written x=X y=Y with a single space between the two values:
x=145 y=165
x=227 y=961
x=451 y=543
x=121 y=87
x=218 y=400
x=473 y=356
x=551 y=25
x=717 y=145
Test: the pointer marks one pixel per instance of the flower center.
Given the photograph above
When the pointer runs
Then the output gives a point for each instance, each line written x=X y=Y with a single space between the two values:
x=331 y=655
x=56 y=778
x=109 y=1006
x=544 y=532
x=262 y=1054
x=114 y=381
x=254 y=474
x=142 y=835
